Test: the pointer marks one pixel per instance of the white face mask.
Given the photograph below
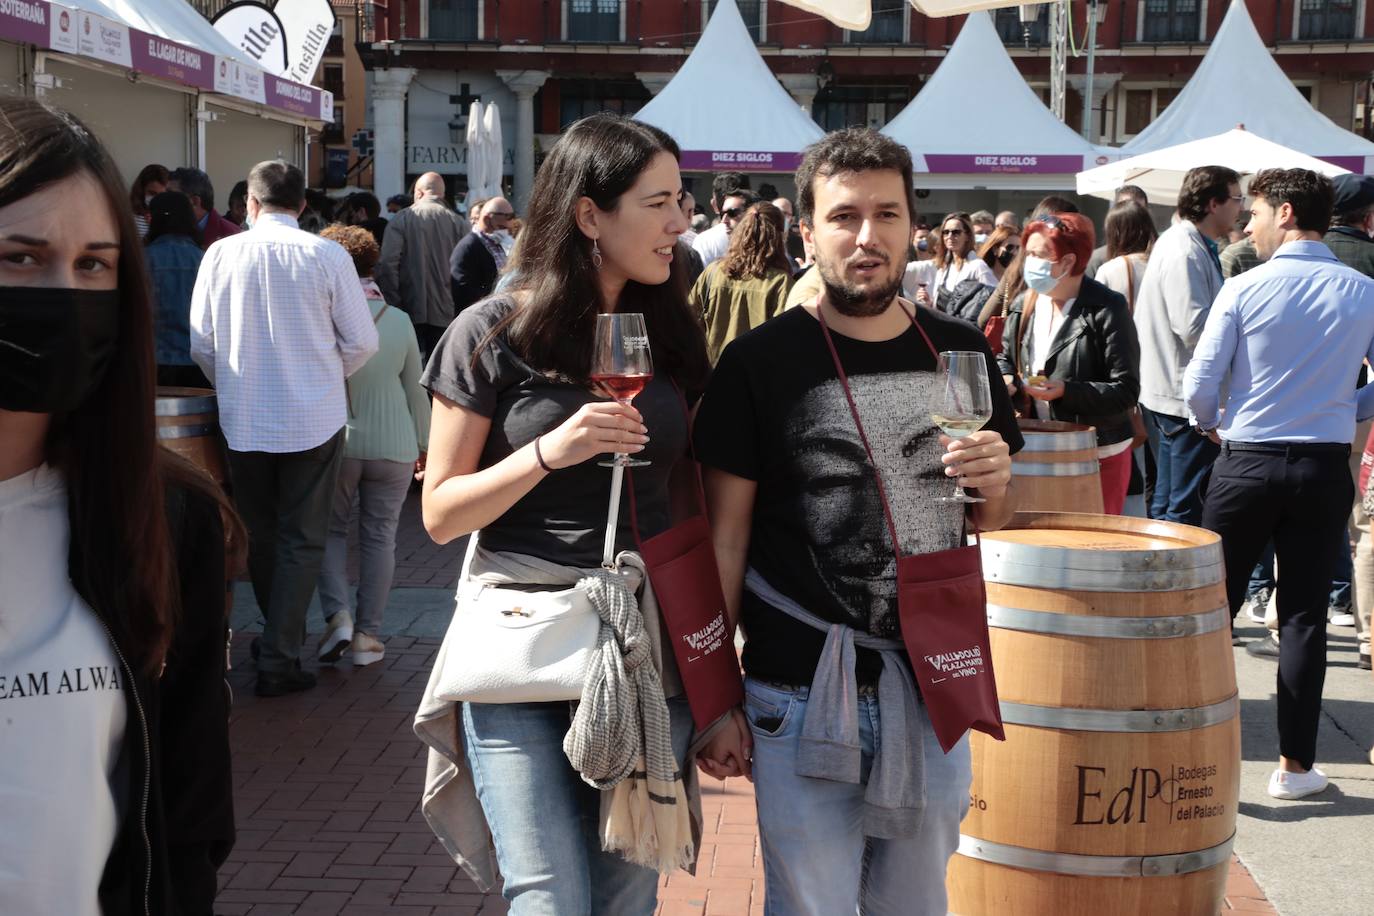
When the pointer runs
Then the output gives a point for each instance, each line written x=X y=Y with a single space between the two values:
x=1039 y=275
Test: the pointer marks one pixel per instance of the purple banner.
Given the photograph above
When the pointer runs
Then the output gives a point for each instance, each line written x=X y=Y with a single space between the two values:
x=739 y=161
x=1005 y=165
x=303 y=100
x=25 y=20
x=1350 y=163
x=170 y=60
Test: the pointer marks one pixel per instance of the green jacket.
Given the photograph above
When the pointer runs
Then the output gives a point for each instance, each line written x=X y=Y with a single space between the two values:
x=1352 y=248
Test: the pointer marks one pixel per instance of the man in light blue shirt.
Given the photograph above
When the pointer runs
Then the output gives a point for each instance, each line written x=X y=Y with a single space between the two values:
x=1272 y=379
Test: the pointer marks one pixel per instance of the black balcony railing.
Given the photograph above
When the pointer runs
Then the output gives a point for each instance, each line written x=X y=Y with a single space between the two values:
x=1013 y=31
x=887 y=27
x=1326 y=20
x=209 y=8
x=594 y=20
x=1170 y=20
x=453 y=20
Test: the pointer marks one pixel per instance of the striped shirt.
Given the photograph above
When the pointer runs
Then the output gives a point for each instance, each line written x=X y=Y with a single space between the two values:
x=278 y=321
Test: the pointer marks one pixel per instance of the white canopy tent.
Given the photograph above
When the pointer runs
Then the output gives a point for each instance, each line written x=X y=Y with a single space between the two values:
x=957 y=145
x=726 y=109
x=1160 y=172
x=1266 y=102
x=173 y=19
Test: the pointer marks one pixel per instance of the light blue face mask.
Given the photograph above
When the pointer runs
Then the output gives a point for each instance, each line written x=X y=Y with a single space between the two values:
x=1039 y=275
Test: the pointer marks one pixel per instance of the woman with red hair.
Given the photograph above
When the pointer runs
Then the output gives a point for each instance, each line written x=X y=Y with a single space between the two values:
x=1070 y=346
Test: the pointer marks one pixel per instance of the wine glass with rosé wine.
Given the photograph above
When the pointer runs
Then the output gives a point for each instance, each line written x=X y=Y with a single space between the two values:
x=966 y=405
x=621 y=365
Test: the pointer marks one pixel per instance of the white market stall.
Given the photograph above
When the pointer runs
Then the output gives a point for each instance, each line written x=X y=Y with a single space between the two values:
x=1238 y=82
x=760 y=129
x=956 y=143
x=148 y=77
x=1160 y=172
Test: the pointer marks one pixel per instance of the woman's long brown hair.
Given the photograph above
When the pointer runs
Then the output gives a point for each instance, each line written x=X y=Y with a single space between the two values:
x=943 y=257
x=757 y=245
x=121 y=557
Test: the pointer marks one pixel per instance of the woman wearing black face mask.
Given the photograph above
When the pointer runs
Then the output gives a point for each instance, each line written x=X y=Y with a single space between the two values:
x=114 y=780
x=1000 y=249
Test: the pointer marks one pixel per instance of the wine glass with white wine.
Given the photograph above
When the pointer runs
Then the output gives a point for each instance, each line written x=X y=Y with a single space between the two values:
x=966 y=405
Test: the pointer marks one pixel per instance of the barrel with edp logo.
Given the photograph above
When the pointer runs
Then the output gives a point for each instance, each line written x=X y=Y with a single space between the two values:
x=1116 y=789
x=1057 y=470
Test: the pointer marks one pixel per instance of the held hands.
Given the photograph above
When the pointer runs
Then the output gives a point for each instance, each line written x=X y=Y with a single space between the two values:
x=1049 y=390
x=980 y=460
x=596 y=429
x=730 y=752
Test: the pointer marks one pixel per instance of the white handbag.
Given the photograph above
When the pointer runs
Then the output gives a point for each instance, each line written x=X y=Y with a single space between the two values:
x=505 y=645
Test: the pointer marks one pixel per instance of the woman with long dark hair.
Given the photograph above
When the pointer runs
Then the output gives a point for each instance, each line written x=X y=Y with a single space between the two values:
x=151 y=181
x=517 y=428
x=750 y=284
x=114 y=780
x=174 y=254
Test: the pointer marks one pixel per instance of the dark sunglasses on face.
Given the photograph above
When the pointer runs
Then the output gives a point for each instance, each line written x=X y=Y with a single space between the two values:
x=504 y=215
x=733 y=213
x=954 y=232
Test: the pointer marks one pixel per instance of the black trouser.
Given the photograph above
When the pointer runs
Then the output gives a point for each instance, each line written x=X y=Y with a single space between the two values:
x=1299 y=495
x=427 y=336
x=285 y=500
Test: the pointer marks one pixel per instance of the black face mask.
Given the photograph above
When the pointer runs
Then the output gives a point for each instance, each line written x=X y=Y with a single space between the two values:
x=55 y=345
x=1007 y=256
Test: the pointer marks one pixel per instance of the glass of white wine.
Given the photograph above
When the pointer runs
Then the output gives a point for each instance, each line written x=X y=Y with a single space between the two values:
x=966 y=405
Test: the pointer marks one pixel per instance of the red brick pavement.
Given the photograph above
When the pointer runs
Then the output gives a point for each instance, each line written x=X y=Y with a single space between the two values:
x=326 y=792
x=327 y=787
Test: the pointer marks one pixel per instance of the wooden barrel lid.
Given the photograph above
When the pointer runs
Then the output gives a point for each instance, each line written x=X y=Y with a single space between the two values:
x=1054 y=436
x=181 y=402
x=1084 y=552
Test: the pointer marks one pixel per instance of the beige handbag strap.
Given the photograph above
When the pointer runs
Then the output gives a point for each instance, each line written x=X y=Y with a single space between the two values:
x=1130 y=285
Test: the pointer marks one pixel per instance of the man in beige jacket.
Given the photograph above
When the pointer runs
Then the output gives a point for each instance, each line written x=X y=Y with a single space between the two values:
x=413 y=272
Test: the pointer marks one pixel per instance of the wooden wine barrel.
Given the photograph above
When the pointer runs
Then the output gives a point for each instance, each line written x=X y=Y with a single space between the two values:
x=188 y=424
x=1116 y=789
x=1057 y=471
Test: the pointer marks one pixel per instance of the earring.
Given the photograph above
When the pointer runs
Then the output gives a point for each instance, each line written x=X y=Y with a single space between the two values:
x=596 y=255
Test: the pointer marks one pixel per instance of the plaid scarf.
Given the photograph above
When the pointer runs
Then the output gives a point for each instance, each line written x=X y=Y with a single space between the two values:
x=621 y=740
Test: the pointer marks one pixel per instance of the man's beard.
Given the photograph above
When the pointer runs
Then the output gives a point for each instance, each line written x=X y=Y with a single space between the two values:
x=853 y=302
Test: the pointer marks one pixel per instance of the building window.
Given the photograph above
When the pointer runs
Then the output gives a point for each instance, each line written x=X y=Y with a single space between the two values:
x=751 y=11
x=838 y=107
x=579 y=98
x=334 y=79
x=453 y=20
x=1170 y=20
x=1141 y=106
x=593 y=20
x=1326 y=20
x=334 y=133
x=887 y=27
x=1013 y=30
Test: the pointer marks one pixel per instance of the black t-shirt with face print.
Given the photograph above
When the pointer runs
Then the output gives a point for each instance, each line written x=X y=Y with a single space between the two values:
x=775 y=413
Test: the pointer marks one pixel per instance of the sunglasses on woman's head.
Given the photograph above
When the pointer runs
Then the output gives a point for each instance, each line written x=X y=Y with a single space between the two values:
x=1054 y=222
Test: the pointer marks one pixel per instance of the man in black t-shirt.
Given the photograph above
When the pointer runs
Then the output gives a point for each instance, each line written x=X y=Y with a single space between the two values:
x=794 y=503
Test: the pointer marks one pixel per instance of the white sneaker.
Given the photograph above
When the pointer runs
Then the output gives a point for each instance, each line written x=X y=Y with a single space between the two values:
x=1286 y=785
x=1256 y=604
x=367 y=650
x=1343 y=619
x=338 y=636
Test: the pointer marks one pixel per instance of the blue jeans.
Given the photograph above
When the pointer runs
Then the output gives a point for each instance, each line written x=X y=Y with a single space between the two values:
x=545 y=820
x=816 y=859
x=1182 y=462
x=1263 y=574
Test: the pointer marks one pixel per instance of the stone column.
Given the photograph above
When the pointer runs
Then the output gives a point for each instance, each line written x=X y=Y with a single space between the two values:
x=802 y=87
x=1103 y=83
x=524 y=83
x=389 y=88
x=654 y=82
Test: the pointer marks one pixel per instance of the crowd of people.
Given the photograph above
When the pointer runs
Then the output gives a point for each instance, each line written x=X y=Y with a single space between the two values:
x=796 y=356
